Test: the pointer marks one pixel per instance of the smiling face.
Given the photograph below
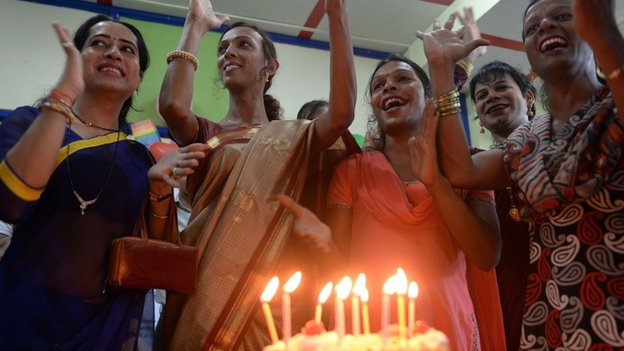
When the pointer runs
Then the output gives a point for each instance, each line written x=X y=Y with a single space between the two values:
x=550 y=40
x=111 y=59
x=242 y=61
x=397 y=96
x=500 y=104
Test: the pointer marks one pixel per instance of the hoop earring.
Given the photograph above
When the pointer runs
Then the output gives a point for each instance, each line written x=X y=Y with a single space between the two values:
x=481 y=129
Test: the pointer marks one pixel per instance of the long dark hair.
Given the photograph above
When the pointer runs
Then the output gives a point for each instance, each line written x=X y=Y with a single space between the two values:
x=310 y=109
x=377 y=137
x=271 y=105
x=82 y=34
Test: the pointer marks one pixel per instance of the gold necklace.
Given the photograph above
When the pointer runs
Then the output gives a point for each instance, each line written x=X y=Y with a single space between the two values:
x=85 y=203
x=246 y=126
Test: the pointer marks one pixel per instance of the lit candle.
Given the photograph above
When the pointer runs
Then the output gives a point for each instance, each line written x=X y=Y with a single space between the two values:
x=265 y=298
x=389 y=288
x=365 y=319
x=360 y=284
x=401 y=290
x=289 y=287
x=322 y=298
x=342 y=292
x=412 y=293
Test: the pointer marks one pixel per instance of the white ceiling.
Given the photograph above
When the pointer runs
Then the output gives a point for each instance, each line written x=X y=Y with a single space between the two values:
x=381 y=26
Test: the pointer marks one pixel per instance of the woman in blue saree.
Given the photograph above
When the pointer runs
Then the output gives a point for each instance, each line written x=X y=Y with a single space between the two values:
x=72 y=181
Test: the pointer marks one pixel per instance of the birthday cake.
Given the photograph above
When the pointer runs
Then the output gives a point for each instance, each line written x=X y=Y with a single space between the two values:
x=314 y=338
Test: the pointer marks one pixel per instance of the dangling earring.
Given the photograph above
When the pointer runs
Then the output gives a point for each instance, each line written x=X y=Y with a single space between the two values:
x=220 y=84
x=481 y=130
x=267 y=75
x=530 y=111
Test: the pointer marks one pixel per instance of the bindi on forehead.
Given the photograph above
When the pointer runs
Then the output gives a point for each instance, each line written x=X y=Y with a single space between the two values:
x=113 y=31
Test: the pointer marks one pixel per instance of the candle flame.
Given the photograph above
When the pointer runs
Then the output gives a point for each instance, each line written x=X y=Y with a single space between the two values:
x=324 y=295
x=293 y=282
x=364 y=295
x=401 y=282
x=359 y=285
x=389 y=287
x=343 y=288
x=270 y=290
x=412 y=290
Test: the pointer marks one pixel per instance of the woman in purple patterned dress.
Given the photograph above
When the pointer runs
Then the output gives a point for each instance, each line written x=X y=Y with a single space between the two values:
x=566 y=170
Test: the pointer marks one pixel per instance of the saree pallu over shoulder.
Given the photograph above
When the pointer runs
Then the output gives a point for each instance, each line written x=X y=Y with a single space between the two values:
x=550 y=171
x=240 y=230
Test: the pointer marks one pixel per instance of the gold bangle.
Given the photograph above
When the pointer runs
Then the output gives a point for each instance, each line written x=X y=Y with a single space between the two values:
x=59 y=107
x=183 y=55
x=453 y=93
x=159 y=197
x=158 y=216
x=447 y=113
x=466 y=65
x=62 y=97
x=616 y=72
x=445 y=105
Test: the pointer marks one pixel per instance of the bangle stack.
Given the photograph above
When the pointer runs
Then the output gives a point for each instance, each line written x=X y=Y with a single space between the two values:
x=58 y=106
x=183 y=55
x=447 y=104
x=62 y=97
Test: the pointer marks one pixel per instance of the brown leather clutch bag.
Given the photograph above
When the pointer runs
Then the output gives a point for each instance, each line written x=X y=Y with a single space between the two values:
x=137 y=262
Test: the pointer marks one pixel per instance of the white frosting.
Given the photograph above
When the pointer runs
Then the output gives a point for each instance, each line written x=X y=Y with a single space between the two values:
x=432 y=340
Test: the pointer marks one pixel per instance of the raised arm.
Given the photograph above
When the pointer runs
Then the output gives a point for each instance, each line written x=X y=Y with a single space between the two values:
x=176 y=93
x=33 y=157
x=595 y=22
x=472 y=223
x=443 y=47
x=342 y=87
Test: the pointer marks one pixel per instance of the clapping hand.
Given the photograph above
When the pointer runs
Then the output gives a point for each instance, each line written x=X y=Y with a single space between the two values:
x=179 y=163
x=202 y=11
x=444 y=43
x=423 y=152
x=470 y=31
x=335 y=7
x=593 y=18
x=71 y=83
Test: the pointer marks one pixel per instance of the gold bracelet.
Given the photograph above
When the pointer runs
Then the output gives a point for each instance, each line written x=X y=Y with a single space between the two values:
x=62 y=97
x=159 y=197
x=616 y=72
x=183 y=55
x=158 y=216
x=447 y=113
x=466 y=65
x=451 y=95
x=59 y=107
x=446 y=105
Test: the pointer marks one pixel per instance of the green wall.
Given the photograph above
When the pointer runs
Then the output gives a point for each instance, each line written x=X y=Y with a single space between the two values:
x=208 y=99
